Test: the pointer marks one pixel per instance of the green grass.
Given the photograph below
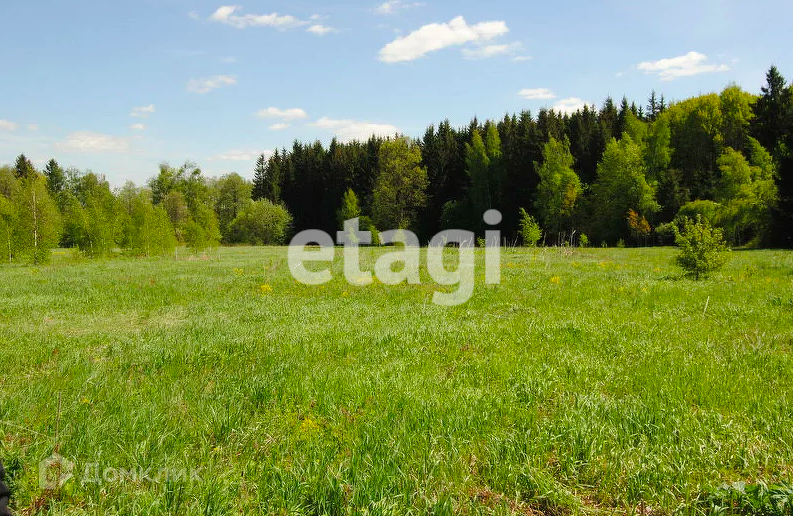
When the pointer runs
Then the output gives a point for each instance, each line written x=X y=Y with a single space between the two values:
x=589 y=382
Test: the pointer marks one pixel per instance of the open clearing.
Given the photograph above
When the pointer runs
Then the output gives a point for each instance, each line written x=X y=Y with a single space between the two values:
x=594 y=381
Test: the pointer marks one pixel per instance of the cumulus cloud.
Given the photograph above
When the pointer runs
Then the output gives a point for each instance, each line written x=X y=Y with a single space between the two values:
x=393 y=6
x=193 y=15
x=208 y=84
x=347 y=130
x=226 y=14
x=240 y=155
x=89 y=141
x=5 y=125
x=486 y=51
x=283 y=114
x=33 y=127
x=279 y=126
x=569 y=105
x=687 y=65
x=437 y=36
x=143 y=111
x=137 y=127
x=320 y=30
x=536 y=94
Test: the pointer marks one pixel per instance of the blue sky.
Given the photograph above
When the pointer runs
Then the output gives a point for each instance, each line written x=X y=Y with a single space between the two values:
x=119 y=86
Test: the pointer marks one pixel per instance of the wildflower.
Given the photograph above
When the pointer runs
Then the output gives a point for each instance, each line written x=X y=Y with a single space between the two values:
x=556 y=280
x=266 y=289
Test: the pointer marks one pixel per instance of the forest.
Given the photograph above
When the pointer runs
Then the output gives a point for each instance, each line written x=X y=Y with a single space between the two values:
x=625 y=174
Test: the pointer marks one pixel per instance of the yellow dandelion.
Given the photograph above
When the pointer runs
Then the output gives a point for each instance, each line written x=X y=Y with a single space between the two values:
x=344 y=294
x=556 y=280
x=85 y=401
x=266 y=289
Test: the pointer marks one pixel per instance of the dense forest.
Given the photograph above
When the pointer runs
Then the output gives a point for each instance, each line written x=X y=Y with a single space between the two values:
x=623 y=174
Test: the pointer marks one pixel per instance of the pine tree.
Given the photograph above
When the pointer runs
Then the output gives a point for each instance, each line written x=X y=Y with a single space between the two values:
x=260 y=179
x=24 y=169
x=56 y=178
x=772 y=112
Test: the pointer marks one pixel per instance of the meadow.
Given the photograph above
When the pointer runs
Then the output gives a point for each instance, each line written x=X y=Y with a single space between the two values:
x=590 y=381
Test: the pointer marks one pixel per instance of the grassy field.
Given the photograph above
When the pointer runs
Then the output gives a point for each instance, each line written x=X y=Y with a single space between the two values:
x=592 y=381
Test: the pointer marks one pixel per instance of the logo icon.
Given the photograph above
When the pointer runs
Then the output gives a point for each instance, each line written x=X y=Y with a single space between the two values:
x=54 y=472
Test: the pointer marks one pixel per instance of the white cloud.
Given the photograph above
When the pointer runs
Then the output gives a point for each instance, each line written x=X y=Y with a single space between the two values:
x=5 y=125
x=436 y=36
x=208 y=84
x=194 y=15
x=393 y=6
x=569 y=105
x=672 y=68
x=240 y=155
x=486 y=51
x=284 y=114
x=317 y=17
x=143 y=111
x=320 y=30
x=89 y=141
x=519 y=59
x=279 y=126
x=137 y=127
x=536 y=94
x=33 y=127
x=346 y=130
x=225 y=14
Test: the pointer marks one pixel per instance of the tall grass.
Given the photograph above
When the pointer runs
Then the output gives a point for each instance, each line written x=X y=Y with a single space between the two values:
x=595 y=381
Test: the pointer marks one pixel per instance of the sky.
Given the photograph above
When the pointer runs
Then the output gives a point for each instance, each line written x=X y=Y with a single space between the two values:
x=118 y=87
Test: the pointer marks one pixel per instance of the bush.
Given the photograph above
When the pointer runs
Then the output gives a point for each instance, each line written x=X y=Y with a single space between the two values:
x=529 y=229
x=261 y=223
x=702 y=248
x=583 y=240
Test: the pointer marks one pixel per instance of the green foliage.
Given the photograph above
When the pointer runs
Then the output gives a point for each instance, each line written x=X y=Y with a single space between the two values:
x=707 y=210
x=56 y=178
x=24 y=169
x=8 y=222
x=38 y=227
x=261 y=223
x=149 y=229
x=559 y=188
x=583 y=240
x=233 y=193
x=201 y=230
x=400 y=191
x=702 y=248
x=621 y=186
x=760 y=499
x=530 y=230
x=350 y=209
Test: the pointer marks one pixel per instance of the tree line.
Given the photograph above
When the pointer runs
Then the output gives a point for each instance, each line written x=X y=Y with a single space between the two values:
x=618 y=174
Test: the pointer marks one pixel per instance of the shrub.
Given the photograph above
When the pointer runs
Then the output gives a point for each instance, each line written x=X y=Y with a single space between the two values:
x=583 y=240
x=261 y=223
x=529 y=229
x=702 y=248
